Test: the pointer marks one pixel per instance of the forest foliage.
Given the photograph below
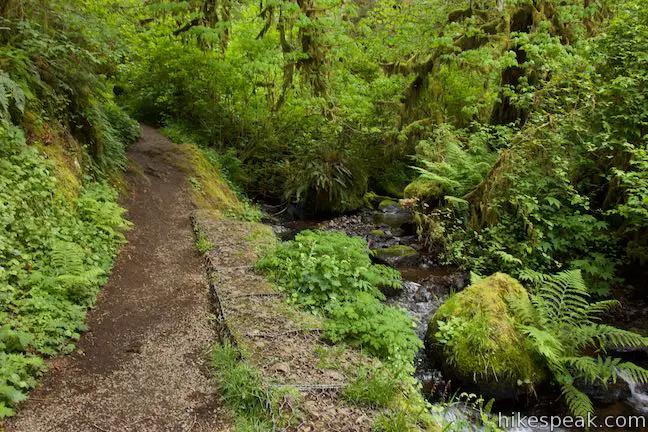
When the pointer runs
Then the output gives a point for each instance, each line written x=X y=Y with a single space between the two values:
x=62 y=146
x=524 y=119
x=519 y=126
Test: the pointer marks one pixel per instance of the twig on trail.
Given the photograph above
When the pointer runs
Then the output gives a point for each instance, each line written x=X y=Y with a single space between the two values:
x=193 y=423
x=283 y=333
x=312 y=387
x=100 y=428
x=277 y=294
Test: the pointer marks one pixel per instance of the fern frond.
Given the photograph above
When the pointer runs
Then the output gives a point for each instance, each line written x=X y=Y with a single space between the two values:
x=523 y=310
x=533 y=278
x=444 y=181
x=594 y=369
x=545 y=343
x=572 y=279
x=584 y=335
x=565 y=298
x=609 y=336
x=579 y=403
x=632 y=372
x=4 y=102
x=86 y=278
x=595 y=309
x=67 y=258
x=9 y=89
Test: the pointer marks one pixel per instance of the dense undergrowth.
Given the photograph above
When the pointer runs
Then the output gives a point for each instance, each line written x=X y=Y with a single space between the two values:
x=517 y=127
x=332 y=273
x=522 y=124
x=62 y=147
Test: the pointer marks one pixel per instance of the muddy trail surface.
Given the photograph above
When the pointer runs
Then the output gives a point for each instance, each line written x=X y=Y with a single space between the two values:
x=142 y=366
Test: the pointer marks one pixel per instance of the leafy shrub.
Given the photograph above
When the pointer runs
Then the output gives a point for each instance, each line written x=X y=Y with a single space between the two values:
x=385 y=331
x=332 y=273
x=54 y=252
x=318 y=268
x=18 y=374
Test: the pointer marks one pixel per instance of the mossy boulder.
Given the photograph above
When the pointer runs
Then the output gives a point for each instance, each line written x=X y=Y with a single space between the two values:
x=424 y=189
x=397 y=255
x=397 y=250
x=372 y=199
x=475 y=339
x=378 y=233
x=387 y=203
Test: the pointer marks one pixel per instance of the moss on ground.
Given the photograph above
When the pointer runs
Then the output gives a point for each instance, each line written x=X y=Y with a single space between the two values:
x=210 y=190
x=261 y=238
x=396 y=250
x=372 y=199
x=476 y=334
x=65 y=154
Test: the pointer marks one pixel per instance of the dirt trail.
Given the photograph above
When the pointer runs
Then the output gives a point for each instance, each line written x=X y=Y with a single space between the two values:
x=141 y=366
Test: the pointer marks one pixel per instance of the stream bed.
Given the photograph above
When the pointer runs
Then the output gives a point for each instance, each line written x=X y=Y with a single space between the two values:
x=426 y=285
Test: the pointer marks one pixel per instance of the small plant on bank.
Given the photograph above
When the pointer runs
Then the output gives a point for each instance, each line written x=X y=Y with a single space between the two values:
x=384 y=331
x=374 y=387
x=392 y=421
x=318 y=268
x=203 y=244
x=257 y=405
x=462 y=412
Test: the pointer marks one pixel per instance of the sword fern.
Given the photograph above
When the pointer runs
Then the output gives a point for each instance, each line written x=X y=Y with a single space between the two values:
x=562 y=322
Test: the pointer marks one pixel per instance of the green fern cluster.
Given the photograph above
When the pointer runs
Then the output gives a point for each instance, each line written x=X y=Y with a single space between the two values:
x=562 y=323
x=10 y=90
x=455 y=167
x=325 y=180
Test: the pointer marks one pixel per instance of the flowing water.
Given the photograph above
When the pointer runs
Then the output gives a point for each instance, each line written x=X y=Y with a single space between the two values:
x=426 y=286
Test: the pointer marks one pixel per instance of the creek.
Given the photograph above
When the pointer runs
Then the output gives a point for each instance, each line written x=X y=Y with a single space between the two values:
x=426 y=285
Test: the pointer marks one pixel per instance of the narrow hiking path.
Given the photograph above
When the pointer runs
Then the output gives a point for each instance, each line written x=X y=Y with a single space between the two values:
x=141 y=365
